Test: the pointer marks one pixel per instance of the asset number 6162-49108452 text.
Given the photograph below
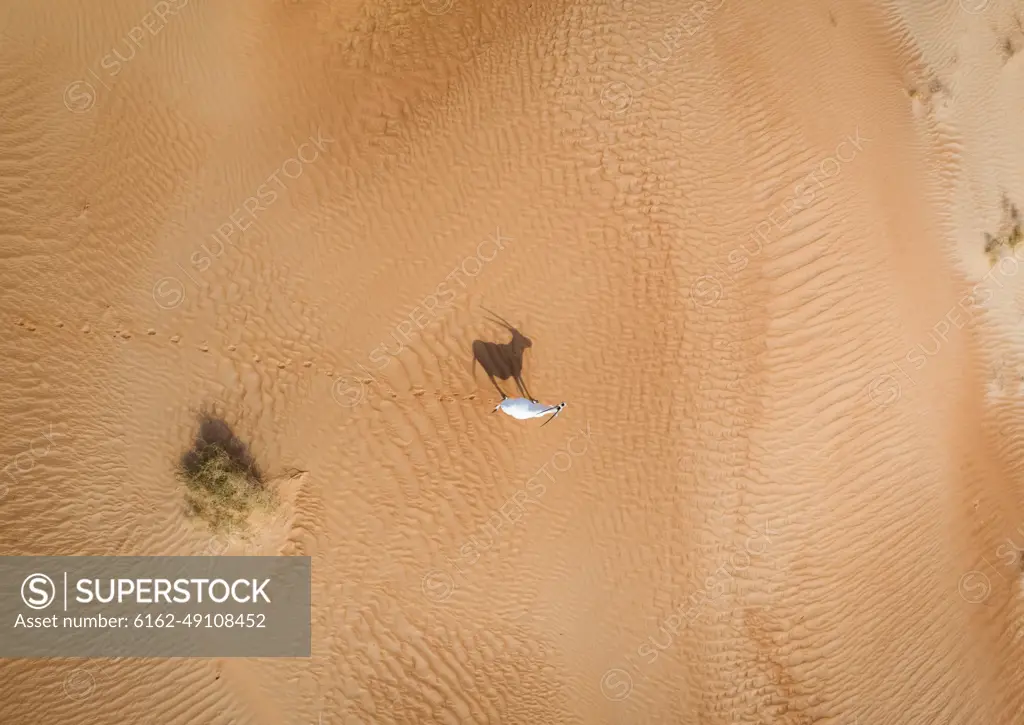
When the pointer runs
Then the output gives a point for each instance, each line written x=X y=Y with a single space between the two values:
x=217 y=621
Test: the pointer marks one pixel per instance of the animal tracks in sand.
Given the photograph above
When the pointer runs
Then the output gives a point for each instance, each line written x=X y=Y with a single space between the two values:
x=121 y=333
x=233 y=352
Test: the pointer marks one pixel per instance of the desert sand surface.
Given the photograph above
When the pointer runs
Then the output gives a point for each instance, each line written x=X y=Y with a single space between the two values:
x=747 y=242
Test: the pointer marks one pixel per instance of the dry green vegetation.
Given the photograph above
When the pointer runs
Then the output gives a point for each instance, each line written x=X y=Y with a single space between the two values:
x=223 y=485
x=1009 y=234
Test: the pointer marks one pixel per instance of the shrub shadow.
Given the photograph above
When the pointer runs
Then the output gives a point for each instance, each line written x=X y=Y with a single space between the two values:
x=213 y=437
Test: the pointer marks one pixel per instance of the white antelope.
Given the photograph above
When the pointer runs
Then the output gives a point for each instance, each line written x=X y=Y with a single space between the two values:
x=522 y=408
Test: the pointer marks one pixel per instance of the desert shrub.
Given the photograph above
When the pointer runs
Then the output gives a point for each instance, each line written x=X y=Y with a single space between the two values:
x=223 y=485
x=1009 y=235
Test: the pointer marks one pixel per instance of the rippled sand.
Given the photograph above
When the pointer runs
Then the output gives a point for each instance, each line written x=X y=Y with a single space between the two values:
x=747 y=242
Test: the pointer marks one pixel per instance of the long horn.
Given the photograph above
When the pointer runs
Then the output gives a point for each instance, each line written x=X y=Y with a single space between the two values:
x=560 y=409
x=499 y=319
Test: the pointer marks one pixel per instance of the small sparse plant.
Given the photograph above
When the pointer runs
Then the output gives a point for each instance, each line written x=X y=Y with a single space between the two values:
x=1009 y=235
x=1008 y=49
x=223 y=485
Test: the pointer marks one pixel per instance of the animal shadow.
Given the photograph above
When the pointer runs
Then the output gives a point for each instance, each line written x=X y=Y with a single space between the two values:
x=503 y=361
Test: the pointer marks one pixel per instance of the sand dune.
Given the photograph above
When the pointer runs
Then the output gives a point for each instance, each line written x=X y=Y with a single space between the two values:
x=747 y=241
